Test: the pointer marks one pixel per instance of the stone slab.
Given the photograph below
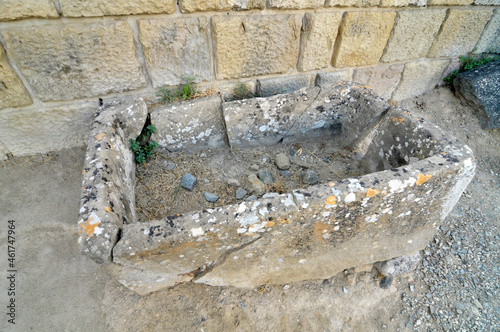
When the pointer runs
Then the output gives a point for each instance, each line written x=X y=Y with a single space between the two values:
x=12 y=90
x=480 y=88
x=4 y=153
x=490 y=38
x=383 y=79
x=77 y=60
x=413 y=34
x=459 y=33
x=363 y=36
x=190 y=6
x=403 y=3
x=108 y=186
x=281 y=85
x=333 y=77
x=266 y=44
x=189 y=125
x=419 y=77
x=487 y=2
x=449 y=2
x=328 y=112
x=296 y=4
x=71 y=8
x=15 y=9
x=39 y=129
x=176 y=48
x=352 y=3
x=319 y=31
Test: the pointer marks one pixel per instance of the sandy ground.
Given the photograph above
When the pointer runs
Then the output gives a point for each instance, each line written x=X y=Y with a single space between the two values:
x=58 y=289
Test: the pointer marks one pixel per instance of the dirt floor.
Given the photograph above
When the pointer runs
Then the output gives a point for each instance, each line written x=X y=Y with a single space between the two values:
x=454 y=288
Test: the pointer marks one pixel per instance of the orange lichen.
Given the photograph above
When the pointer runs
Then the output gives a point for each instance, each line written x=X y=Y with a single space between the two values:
x=270 y=224
x=88 y=227
x=331 y=200
x=423 y=178
x=372 y=192
x=83 y=172
x=330 y=184
x=320 y=229
x=100 y=136
x=107 y=209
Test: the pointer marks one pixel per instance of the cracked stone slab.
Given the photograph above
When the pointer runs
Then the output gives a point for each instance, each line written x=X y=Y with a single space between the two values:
x=108 y=197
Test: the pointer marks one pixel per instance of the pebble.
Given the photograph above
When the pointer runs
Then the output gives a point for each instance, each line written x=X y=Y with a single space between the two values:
x=309 y=177
x=170 y=166
x=282 y=161
x=188 y=182
x=254 y=167
x=233 y=183
x=252 y=198
x=240 y=193
x=210 y=197
x=265 y=177
x=386 y=282
x=286 y=174
x=255 y=186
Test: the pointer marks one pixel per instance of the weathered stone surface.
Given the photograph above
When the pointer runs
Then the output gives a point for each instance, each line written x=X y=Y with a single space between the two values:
x=15 y=9
x=211 y=197
x=480 y=88
x=333 y=77
x=3 y=152
x=449 y=2
x=266 y=44
x=240 y=193
x=108 y=188
x=255 y=186
x=459 y=32
x=403 y=3
x=490 y=38
x=319 y=31
x=328 y=112
x=189 y=6
x=188 y=182
x=309 y=177
x=175 y=48
x=70 y=61
x=296 y=4
x=413 y=34
x=12 y=90
x=281 y=85
x=383 y=79
x=398 y=265
x=39 y=129
x=487 y=2
x=282 y=161
x=363 y=36
x=194 y=124
x=74 y=8
x=353 y=3
x=419 y=77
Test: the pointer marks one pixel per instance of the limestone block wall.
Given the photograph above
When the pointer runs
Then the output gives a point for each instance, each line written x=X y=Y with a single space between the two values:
x=59 y=57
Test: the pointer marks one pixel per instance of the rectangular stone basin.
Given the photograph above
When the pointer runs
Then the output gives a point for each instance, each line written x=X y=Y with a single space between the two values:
x=415 y=175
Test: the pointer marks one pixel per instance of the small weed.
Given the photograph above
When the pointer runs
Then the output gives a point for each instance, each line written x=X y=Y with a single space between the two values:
x=165 y=96
x=142 y=146
x=185 y=92
x=241 y=91
x=468 y=63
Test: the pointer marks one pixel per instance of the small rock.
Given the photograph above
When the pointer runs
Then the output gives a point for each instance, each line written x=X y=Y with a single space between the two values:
x=233 y=183
x=170 y=166
x=251 y=198
x=412 y=288
x=309 y=177
x=254 y=167
x=282 y=161
x=210 y=197
x=344 y=290
x=286 y=174
x=255 y=186
x=203 y=155
x=398 y=265
x=386 y=282
x=206 y=180
x=270 y=195
x=265 y=177
x=188 y=182
x=240 y=193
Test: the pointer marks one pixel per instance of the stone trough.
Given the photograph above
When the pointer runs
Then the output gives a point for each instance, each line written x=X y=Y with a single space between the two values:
x=415 y=175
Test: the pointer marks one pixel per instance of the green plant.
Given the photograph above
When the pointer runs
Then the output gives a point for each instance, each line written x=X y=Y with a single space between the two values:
x=188 y=90
x=166 y=96
x=241 y=91
x=142 y=147
x=468 y=63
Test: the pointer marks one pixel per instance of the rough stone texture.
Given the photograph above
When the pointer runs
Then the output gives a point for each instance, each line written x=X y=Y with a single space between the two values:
x=12 y=90
x=77 y=8
x=39 y=129
x=265 y=44
x=363 y=36
x=3 y=152
x=255 y=186
x=108 y=188
x=282 y=161
x=326 y=112
x=383 y=79
x=189 y=6
x=480 y=88
x=459 y=32
x=490 y=38
x=419 y=77
x=64 y=62
x=15 y=9
x=319 y=31
x=353 y=3
x=487 y=2
x=333 y=77
x=403 y=3
x=413 y=34
x=176 y=48
x=449 y=2
x=398 y=265
x=188 y=182
x=296 y=4
x=194 y=124
x=281 y=85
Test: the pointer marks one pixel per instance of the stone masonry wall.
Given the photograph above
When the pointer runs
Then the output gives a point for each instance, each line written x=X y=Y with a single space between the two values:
x=58 y=57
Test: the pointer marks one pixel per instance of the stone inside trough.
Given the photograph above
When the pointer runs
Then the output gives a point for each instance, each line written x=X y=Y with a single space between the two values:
x=364 y=183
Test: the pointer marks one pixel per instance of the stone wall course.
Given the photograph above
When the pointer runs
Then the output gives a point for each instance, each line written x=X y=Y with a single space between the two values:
x=352 y=3
x=459 y=33
x=449 y=2
x=15 y=9
x=71 y=61
x=296 y=4
x=403 y=3
x=189 y=6
x=362 y=38
x=382 y=79
x=12 y=90
x=78 y=8
x=175 y=49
